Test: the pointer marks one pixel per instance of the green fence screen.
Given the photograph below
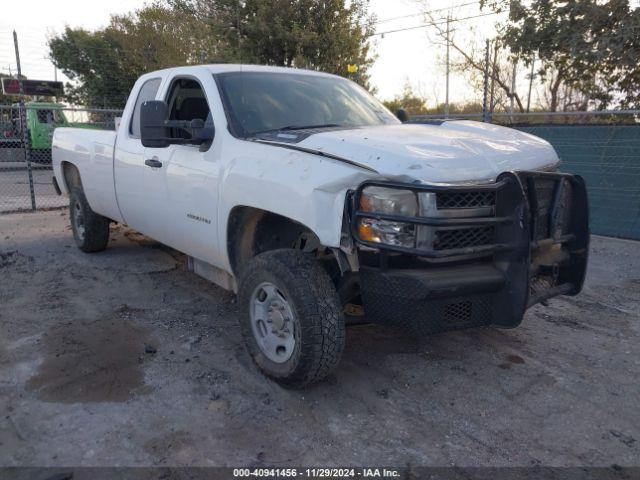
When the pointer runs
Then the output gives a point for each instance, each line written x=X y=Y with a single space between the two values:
x=608 y=157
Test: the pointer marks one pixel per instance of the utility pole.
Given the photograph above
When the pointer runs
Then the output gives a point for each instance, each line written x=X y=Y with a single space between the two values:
x=512 y=93
x=486 y=83
x=533 y=63
x=493 y=75
x=446 y=97
x=23 y=124
x=55 y=78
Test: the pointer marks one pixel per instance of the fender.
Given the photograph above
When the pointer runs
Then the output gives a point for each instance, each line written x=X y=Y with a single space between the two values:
x=291 y=185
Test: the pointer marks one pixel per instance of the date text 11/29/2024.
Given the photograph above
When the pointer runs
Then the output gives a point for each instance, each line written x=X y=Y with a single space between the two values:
x=315 y=473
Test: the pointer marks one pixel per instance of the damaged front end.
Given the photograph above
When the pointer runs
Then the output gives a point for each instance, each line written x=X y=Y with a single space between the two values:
x=468 y=255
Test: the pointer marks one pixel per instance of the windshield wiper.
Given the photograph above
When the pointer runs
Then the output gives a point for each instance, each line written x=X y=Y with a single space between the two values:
x=297 y=127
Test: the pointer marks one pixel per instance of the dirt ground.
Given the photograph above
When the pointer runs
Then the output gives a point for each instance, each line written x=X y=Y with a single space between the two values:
x=126 y=358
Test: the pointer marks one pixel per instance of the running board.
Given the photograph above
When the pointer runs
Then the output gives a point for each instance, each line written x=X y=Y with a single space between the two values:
x=213 y=274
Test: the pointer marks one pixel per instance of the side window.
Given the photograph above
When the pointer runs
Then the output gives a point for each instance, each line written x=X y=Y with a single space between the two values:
x=45 y=116
x=186 y=102
x=147 y=92
x=49 y=116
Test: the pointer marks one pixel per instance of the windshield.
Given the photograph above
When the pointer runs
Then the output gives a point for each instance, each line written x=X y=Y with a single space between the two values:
x=258 y=102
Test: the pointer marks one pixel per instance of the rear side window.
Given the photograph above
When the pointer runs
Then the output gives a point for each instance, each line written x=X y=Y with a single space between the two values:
x=147 y=92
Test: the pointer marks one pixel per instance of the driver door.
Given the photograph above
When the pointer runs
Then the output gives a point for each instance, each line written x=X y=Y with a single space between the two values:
x=187 y=175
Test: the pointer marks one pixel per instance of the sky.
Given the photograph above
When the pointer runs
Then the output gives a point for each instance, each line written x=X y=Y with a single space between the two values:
x=414 y=56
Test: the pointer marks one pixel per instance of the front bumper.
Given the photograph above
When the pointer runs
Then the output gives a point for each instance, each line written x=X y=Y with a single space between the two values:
x=481 y=270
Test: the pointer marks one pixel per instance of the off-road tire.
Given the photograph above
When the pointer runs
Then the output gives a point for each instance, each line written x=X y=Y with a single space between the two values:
x=96 y=227
x=319 y=322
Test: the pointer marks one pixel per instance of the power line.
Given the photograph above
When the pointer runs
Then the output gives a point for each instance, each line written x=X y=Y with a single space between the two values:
x=420 y=14
x=431 y=24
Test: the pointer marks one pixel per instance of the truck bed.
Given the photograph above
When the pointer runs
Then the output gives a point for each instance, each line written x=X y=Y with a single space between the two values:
x=91 y=151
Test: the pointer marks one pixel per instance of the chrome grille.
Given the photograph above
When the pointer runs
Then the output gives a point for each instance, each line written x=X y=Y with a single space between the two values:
x=467 y=204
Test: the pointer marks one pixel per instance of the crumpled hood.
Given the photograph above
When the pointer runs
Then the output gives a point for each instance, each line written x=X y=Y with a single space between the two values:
x=451 y=152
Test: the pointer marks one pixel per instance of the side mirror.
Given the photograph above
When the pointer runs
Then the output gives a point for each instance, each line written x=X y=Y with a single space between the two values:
x=154 y=131
x=402 y=115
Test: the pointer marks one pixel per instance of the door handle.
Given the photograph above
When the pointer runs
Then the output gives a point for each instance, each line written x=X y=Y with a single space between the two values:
x=153 y=163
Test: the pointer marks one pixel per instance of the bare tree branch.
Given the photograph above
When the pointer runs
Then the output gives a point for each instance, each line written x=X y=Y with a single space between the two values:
x=474 y=63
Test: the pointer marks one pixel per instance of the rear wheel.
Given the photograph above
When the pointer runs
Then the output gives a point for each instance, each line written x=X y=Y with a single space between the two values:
x=292 y=321
x=90 y=230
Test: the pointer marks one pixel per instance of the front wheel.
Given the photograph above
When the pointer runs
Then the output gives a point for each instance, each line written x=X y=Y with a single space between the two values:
x=90 y=230
x=292 y=321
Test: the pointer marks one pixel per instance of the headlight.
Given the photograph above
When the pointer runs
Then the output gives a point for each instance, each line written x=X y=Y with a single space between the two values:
x=391 y=202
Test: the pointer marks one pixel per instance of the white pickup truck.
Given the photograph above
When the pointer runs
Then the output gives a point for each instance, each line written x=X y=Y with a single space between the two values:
x=300 y=192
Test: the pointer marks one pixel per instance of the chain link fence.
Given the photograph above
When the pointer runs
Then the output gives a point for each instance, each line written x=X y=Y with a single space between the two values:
x=26 y=132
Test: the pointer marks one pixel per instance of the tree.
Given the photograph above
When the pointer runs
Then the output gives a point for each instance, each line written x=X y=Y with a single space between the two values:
x=322 y=35
x=91 y=61
x=411 y=102
x=103 y=65
x=317 y=34
x=588 y=49
x=415 y=104
x=586 y=52
x=471 y=62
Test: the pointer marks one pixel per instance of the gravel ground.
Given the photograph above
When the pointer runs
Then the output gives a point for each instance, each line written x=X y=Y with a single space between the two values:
x=126 y=358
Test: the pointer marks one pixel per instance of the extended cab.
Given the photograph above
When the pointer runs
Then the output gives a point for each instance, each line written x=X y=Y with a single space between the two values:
x=303 y=194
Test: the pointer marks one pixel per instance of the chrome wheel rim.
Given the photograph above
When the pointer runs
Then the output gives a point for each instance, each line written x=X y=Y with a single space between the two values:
x=78 y=219
x=272 y=322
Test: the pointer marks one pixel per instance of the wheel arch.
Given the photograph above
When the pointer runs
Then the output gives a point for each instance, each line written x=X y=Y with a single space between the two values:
x=70 y=175
x=251 y=231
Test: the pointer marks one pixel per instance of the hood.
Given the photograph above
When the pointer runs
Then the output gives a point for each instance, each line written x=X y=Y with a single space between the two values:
x=454 y=151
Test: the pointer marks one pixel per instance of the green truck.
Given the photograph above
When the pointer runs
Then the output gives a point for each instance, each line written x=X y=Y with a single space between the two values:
x=42 y=119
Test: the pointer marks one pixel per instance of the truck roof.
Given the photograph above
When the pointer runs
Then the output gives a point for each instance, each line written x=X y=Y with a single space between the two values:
x=237 y=67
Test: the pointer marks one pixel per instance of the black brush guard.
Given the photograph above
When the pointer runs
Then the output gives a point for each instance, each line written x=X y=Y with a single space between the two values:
x=538 y=249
